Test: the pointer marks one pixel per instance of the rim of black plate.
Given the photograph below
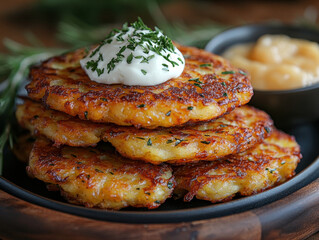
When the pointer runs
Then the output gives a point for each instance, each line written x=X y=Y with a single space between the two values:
x=303 y=178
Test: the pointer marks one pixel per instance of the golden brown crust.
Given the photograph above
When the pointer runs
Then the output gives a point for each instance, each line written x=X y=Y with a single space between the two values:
x=62 y=84
x=262 y=167
x=58 y=126
x=232 y=133
x=98 y=177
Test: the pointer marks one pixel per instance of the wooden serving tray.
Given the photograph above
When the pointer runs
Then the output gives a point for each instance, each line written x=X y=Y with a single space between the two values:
x=293 y=217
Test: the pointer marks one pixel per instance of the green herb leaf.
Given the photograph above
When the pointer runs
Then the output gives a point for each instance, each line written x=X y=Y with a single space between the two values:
x=195 y=80
x=140 y=138
x=197 y=85
x=267 y=129
x=206 y=65
x=228 y=72
x=143 y=71
x=129 y=58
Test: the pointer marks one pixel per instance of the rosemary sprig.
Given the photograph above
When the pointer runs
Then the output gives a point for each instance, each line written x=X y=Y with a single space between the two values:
x=22 y=58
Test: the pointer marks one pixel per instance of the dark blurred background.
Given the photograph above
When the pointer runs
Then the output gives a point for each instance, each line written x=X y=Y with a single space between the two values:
x=72 y=23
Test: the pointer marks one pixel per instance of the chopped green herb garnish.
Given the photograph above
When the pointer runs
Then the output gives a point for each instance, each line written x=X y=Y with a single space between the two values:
x=104 y=99
x=148 y=193
x=169 y=141
x=205 y=65
x=144 y=37
x=190 y=108
x=223 y=84
x=146 y=59
x=143 y=71
x=129 y=58
x=170 y=185
x=225 y=94
x=141 y=105
x=86 y=114
x=228 y=72
x=197 y=85
x=157 y=202
x=283 y=162
x=73 y=155
x=98 y=170
x=195 y=80
x=111 y=173
x=36 y=116
x=149 y=142
x=100 y=71
x=138 y=188
x=205 y=142
x=267 y=129
x=140 y=138
x=168 y=113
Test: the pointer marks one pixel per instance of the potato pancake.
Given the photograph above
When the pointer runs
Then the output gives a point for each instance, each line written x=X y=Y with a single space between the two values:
x=235 y=132
x=98 y=177
x=208 y=87
x=264 y=166
x=58 y=126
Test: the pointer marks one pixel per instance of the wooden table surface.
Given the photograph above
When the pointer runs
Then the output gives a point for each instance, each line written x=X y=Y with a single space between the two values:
x=294 y=217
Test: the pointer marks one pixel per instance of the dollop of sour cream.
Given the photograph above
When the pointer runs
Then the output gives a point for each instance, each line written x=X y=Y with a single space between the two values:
x=134 y=55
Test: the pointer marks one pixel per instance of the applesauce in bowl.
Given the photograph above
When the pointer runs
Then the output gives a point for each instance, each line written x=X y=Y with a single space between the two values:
x=277 y=62
x=285 y=81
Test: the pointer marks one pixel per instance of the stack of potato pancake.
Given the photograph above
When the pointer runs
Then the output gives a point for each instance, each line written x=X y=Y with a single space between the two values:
x=113 y=146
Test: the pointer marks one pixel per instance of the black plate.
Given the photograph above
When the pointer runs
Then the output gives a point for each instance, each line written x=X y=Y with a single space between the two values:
x=16 y=182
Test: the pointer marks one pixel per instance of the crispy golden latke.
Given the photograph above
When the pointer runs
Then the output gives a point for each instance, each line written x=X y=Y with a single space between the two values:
x=98 y=177
x=235 y=132
x=262 y=167
x=208 y=88
x=58 y=126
